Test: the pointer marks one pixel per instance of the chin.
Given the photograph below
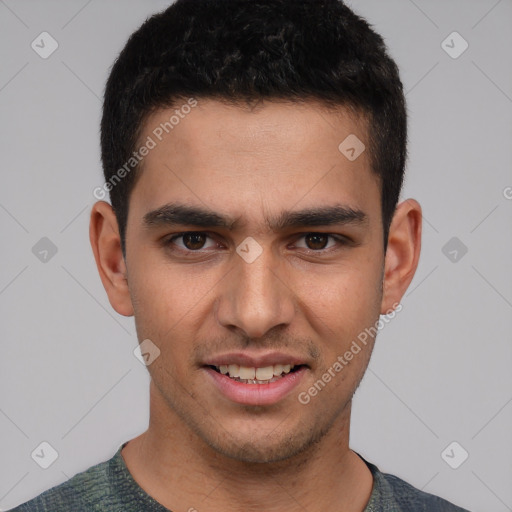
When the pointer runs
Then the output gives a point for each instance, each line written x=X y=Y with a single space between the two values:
x=258 y=447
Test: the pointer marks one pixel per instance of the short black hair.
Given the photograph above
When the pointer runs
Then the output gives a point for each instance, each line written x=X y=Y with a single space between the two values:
x=249 y=51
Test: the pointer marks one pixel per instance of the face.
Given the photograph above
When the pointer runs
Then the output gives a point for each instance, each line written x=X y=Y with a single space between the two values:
x=281 y=263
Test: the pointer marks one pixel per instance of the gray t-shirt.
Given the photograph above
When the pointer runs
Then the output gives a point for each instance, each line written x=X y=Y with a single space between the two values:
x=109 y=486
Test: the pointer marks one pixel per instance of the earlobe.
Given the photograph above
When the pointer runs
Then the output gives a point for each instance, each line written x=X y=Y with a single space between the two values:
x=106 y=246
x=402 y=254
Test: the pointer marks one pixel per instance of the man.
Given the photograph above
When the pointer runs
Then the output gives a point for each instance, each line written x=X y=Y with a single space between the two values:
x=254 y=153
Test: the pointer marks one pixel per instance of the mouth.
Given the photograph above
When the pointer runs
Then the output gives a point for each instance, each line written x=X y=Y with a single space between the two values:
x=253 y=375
x=263 y=384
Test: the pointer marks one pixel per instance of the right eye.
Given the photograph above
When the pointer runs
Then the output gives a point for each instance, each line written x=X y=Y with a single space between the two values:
x=192 y=241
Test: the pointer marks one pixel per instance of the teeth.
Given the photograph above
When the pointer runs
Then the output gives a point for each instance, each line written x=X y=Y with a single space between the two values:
x=264 y=373
x=246 y=373
x=234 y=370
x=255 y=374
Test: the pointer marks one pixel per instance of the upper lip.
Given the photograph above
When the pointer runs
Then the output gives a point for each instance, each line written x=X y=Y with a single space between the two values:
x=254 y=360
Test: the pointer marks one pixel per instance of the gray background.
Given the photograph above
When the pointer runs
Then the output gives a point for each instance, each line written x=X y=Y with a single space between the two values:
x=441 y=370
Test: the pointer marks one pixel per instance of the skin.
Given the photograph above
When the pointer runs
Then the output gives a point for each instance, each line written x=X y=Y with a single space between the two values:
x=202 y=450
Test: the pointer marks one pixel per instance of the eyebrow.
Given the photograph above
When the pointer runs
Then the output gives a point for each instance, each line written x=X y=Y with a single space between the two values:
x=182 y=214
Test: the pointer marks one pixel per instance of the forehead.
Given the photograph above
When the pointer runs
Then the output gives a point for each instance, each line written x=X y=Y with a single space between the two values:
x=255 y=161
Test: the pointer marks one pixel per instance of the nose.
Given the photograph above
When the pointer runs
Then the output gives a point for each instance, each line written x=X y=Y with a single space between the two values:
x=256 y=297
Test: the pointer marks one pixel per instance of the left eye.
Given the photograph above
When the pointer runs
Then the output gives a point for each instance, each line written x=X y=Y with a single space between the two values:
x=318 y=241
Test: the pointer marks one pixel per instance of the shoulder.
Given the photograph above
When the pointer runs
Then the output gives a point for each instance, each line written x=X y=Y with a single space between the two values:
x=391 y=493
x=408 y=497
x=84 y=491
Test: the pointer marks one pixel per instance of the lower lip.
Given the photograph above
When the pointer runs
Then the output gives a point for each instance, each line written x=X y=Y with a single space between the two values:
x=256 y=394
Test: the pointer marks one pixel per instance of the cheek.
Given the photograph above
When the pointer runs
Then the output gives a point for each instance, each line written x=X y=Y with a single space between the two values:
x=166 y=298
x=346 y=298
x=154 y=298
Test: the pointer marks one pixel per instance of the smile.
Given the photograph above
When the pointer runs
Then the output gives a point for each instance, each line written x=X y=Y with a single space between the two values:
x=251 y=385
x=252 y=375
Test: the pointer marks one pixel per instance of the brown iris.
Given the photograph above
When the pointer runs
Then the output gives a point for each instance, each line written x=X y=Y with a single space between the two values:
x=318 y=240
x=194 y=241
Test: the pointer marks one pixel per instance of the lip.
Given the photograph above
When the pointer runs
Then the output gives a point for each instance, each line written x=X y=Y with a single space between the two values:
x=255 y=394
x=255 y=360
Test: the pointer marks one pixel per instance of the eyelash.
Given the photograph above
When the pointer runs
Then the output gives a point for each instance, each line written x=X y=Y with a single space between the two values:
x=168 y=242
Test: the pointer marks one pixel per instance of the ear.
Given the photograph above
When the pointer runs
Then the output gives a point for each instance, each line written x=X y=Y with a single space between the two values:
x=402 y=254
x=106 y=245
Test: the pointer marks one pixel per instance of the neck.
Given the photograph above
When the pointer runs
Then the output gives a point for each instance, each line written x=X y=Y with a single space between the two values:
x=179 y=470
